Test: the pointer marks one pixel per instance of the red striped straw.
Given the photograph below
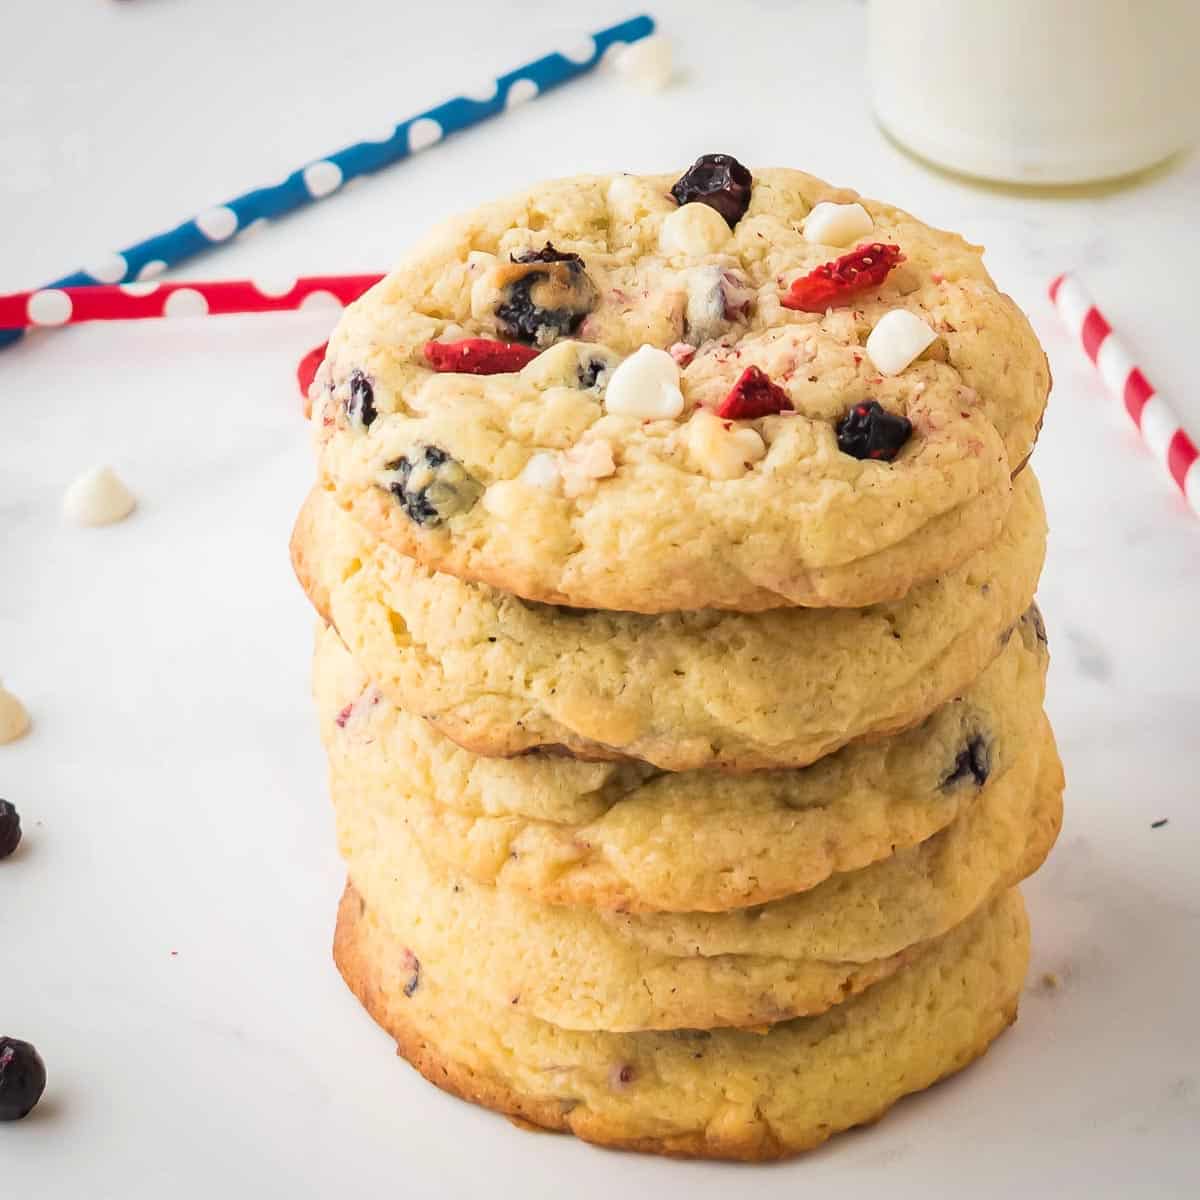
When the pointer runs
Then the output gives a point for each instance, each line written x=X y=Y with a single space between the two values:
x=1161 y=429
x=138 y=301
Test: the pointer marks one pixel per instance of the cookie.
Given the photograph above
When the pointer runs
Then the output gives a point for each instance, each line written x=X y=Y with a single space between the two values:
x=628 y=836
x=667 y=428
x=578 y=969
x=725 y=1094
x=683 y=690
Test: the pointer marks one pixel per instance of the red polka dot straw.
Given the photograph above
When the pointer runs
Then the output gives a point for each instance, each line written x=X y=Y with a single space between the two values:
x=137 y=301
x=1161 y=429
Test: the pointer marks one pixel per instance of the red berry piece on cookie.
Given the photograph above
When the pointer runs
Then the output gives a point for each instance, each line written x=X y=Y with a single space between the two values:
x=754 y=395
x=832 y=283
x=478 y=356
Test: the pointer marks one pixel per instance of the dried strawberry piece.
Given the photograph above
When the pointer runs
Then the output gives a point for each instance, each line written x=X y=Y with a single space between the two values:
x=862 y=269
x=478 y=356
x=308 y=368
x=754 y=395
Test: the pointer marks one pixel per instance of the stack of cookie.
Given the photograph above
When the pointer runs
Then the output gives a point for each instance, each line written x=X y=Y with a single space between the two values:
x=675 y=551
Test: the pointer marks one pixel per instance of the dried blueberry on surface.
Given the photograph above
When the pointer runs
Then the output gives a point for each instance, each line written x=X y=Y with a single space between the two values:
x=360 y=402
x=412 y=965
x=974 y=763
x=22 y=1078
x=547 y=254
x=544 y=295
x=10 y=828
x=431 y=486
x=719 y=181
x=594 y=372
x=1039 y=624
x=868 y=430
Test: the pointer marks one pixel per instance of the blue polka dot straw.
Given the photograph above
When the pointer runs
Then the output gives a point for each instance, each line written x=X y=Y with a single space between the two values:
x=324 y=176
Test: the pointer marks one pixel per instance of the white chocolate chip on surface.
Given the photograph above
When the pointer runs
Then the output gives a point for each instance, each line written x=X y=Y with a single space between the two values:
x=646 y=384
x=832 y=224
x=899 y=337
x=584 y=463
x=506 y=499
x=97 y=497
x=646 y=63
x=14 y=720
x=541 y=471
x=694 y=230
x=484 y=295
x=722 y=449
x=571 y=364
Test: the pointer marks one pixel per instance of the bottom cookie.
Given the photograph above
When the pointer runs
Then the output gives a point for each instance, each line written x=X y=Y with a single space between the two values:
x=724 y=1094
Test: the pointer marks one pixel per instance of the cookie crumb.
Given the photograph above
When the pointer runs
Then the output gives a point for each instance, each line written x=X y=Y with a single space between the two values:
x=1050 y=981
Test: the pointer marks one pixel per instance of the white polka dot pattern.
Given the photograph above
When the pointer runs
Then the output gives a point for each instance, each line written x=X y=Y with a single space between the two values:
x=50 y=307
x=522 y=90
x=275 y=286
x=322 y=177
x=109 y=269
x=186 y=302
x=320 y=301
x=218 y=224
x=580 y=51
x=483 y=91
x=423 y=132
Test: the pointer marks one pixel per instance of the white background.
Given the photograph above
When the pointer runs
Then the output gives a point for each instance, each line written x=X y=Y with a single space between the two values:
x=164 y=930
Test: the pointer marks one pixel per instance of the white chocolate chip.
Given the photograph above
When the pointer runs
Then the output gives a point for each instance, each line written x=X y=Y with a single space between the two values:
x=715 y=298
x=705 y=313
x=832 y=224
x=14 y=720
x=898 y=337
x=541 y=471
x=484 y=295
x=571 y=364
x=506 y=499
x=584 y=463
x=97 y=497
x=694 y=230
x=646 y=384
x=722 y=449
x=646 y=63
x=623 y=192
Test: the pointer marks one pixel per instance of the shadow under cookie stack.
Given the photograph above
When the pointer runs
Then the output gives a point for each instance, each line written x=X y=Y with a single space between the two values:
x=678 y=667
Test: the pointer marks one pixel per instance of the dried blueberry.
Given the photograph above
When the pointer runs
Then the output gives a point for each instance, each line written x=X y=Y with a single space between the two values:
x=868 y=430
x=10 y=829
x=22 y=1078
x=593 y=372
x=431 y=486
x=547 y=254
x=360 y=403
x=544 y=294
x=974 y=762
x=719 y=181
x=412 y=965
x=1039 y=625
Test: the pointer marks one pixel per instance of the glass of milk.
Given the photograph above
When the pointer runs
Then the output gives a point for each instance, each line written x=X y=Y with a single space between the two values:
x=1037 y=91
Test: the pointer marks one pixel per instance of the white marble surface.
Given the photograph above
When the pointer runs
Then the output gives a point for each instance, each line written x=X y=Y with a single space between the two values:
x=164 y=930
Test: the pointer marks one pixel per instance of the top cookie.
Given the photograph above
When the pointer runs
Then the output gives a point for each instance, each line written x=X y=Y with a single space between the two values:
x=593 y=394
